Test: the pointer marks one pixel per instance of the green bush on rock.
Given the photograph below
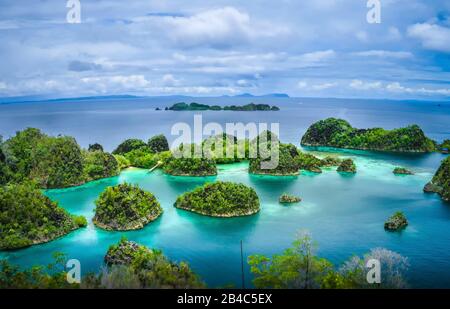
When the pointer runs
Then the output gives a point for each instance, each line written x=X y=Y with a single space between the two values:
x=402 y=171
x=441 y=181
x=125 y=207
x=396 y=222
x=27 y=217
x=220 y=199
x=152 y=268
x=339 y=133
x=129 y=145
x=289 y=199
x=347 y=166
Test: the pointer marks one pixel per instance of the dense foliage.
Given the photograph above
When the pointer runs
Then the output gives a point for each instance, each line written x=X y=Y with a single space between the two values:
x=445 y=144
x=180 y=166
x=279 y=159
x=233 y=150
x=129 y=145
x=125 y=207
x=158 y=143
x=203 y=107
x=28 y=217
x=220 y=199
x=99 y=164
x=299 y=268
x=52 y=276
x=339 y=133
x=441 y=181
x=152 y=268
x=396 y=221
x=347 y=166
x=53 y=162
x=95 y=147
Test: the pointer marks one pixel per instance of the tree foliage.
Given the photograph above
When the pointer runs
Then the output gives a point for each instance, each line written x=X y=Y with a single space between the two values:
x=125 y=207
x=441 y=181
x=339 y=133
x=220 y=199
x=158 y=143
x=28 y=217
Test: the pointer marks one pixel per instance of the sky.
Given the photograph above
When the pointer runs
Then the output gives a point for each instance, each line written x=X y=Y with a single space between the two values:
x=316 y=48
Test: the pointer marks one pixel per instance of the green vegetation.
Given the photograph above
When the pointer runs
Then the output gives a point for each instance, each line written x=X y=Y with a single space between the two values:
x=220 y=199
x=53 y=162
x=402 y=171
x=125 y=207
x=330 y=161
x=158 y=143
x=151 y=267
x=128 y=265
x=289 y=199
x=445 y=145
x=339 y=133
x=95 y=147
x=129 y=145
x=99 y=164
x=441 y=181
x=347 y=166
x=233 y=150
x=203 y=107
x=299 y=268
x=178 y=165
x=278 y=161
x=52 y=276
x=27 y=217
x=396 y=222
x=122 y=161
x=308 y=162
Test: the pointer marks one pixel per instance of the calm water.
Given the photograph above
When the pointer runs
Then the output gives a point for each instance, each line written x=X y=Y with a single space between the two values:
x=345 y=214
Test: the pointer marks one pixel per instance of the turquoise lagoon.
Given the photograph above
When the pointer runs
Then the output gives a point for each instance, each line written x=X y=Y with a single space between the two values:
x=344 y=213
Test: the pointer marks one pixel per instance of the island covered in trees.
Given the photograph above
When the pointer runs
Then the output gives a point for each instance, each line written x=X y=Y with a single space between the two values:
x=204 y=107
x=441 y=181
x=220 y=199
x=339 y=133
x=125 y=207
x=28 y=217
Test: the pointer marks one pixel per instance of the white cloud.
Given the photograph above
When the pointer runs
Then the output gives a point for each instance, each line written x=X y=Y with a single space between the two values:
x=170 y=80
x=222 y=27
x=432 y=36
x=316 y=86
x=360 y=85
x=384 y=54
x=398 y=88
x=117 y=82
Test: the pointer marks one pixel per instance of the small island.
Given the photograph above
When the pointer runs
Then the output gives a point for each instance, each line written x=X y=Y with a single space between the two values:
x=150 y=268
x=125 y=207
x=29 y=218
x=396 y=222
x=339 y=133
x=204 y=107
x=220 y=199
x=402 y=171
x=347 y=166
x=283 y=159
x=441 y=181
x=195 y=167
x=289 y=199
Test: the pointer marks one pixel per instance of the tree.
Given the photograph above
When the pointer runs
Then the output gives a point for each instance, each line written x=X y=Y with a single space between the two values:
x=158 y=143
x=95 y=147
x=296 y=268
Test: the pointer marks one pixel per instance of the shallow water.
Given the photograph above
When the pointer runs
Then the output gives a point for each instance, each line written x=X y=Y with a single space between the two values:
x=345 y=215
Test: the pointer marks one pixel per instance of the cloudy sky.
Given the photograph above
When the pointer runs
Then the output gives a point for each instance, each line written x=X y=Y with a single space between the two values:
x=317 y=48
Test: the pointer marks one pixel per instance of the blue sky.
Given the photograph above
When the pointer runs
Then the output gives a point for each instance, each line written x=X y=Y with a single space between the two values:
x=316 y=48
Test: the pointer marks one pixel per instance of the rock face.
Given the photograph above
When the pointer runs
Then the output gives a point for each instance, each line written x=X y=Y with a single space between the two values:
x=125 y=207
x=402 y=171
x=220 y=199
x=441 y=181
x=152 y=268
x=347 y=166
x=339 y=133
x=396 y=222
x=289 y=199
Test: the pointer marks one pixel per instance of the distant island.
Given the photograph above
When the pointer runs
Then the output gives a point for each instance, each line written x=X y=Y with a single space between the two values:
x=204 y=107
x=339 y=133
